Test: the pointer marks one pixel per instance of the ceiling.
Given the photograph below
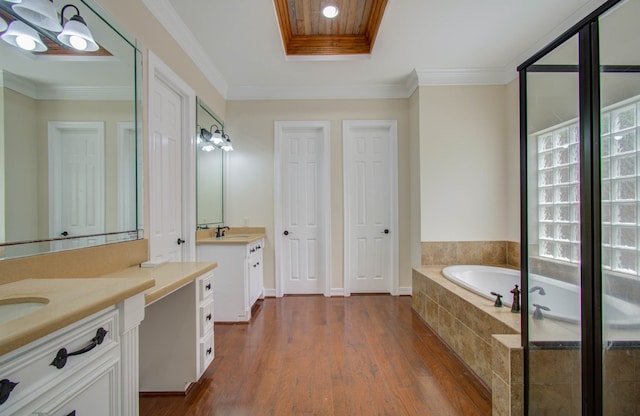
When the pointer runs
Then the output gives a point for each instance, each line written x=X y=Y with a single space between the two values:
x=239 y=47
x=306 y=31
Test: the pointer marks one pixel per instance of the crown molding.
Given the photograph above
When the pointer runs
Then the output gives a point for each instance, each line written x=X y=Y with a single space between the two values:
x=47 y=92
x=317 y=93
x=170 y=20
x=462 y=76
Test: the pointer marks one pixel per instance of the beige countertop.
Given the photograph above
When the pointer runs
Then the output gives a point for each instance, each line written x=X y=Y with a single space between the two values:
x=69 y=300
x=168 y=276
x=235 y=235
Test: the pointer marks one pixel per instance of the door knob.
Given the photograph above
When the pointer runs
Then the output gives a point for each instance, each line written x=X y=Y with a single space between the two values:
x=64 y=233
x=180 y=241
x=386 y=231
x=285 y=232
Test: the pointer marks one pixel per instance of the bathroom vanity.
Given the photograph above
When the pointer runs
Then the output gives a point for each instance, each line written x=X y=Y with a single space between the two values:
x=76 y=353
x=239 y=277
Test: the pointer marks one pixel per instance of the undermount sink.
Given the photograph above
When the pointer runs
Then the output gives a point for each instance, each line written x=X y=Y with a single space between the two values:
x=15 y=308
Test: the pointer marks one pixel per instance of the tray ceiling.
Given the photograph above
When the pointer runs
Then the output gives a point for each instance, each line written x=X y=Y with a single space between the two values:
x=305 y=31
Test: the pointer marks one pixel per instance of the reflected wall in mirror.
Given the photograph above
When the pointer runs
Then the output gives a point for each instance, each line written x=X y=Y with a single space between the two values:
x=70 y=142
x=209 y=162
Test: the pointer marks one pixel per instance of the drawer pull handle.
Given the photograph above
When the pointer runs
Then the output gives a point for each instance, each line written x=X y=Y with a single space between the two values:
x=209 y=317
x=6 y=387
x=208 y=286
x=209 y=351
x=61 y=358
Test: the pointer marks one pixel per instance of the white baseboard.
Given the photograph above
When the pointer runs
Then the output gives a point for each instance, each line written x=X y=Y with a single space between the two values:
x=337 y=291
x=269 y=293
x=404 y=291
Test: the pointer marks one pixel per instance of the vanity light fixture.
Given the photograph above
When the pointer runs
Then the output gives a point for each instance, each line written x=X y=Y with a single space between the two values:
x=24 y=37
x=3 y=25
x=227 y=146
x=76 y=34
x=330 y=11
x=13 y=1
x=41 y=13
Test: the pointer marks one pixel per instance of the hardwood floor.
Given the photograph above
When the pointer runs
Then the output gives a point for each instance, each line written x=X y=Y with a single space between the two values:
x=311 y=355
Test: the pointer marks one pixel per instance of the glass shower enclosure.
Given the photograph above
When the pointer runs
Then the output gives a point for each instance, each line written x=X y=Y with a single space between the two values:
x=580 y=178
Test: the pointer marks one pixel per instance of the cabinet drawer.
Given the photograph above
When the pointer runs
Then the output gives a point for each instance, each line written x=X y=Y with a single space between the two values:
x=205 y=286
x=206 y=352
x=205 y=318
x=93 y=392
x=31 y=366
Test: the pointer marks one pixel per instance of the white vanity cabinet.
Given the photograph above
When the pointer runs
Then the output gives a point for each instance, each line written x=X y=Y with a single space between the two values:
x=176 y=338
x=88 y=383
x=239 y=277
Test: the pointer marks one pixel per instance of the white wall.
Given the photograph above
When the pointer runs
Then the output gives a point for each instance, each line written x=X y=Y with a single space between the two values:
x=250 y=169
x=463 y=163
x=414 y=184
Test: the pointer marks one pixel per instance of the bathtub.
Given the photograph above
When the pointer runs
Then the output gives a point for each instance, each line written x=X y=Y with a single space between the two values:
x=561 y=298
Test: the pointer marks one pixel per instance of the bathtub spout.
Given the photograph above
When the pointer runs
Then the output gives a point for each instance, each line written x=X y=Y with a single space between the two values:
x=498 y=302
x=537 y=314
x=539 y=289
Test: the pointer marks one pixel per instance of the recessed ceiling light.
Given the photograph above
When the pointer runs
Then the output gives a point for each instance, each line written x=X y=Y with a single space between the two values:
x=330 y=11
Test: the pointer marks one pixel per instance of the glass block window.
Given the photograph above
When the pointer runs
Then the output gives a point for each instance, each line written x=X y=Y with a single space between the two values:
x=559 y=193
x=558 y=189
x=620 y=196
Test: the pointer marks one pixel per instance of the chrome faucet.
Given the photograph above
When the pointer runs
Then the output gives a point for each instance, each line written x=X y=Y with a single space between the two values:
x=537 y=314
x=220 y=231
x=539 y=289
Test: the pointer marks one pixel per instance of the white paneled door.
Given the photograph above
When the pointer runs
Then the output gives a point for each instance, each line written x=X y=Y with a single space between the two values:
x=76 y=181
x=370 y=198
x=171 y=157
x=302 y=208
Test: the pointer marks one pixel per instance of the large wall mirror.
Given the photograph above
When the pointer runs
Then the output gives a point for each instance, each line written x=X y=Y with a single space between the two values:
x=209 y=162
x=70 y=139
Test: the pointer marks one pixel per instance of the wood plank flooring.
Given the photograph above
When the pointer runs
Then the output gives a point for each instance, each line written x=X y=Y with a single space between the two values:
x=311 y=355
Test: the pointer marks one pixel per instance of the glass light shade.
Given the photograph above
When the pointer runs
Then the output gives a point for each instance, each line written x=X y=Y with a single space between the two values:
x=13 y=1
x=41 y=13
x=24 y=37
x=217 y=138
x=227 y=146
x=3 y=25
x=207 y=147
x=77 y=35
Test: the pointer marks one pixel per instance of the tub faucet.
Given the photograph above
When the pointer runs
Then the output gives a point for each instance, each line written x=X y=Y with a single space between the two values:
x=539 y=289
x=515 y=304
x=498 y=302
x=220 y=231
x=537 y=314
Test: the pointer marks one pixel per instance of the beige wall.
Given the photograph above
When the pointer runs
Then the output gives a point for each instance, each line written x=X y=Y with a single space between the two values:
x=463 y=163
x=250 y=169
x=414 y=181
x=134 y=16
x=512 y=113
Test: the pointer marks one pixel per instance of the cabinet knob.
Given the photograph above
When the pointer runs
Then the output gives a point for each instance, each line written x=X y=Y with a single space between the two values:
x=209 y=317
x=180 y=241
x=209 y=351
x=208 y=286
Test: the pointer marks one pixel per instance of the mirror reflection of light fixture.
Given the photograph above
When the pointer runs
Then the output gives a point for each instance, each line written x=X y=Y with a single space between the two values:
x=13 y=1
x=3 y=25
x=76 y=34
x=24 y=37
x=41 y=13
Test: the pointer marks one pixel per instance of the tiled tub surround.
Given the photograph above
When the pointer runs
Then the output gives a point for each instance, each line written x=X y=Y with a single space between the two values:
x=470 y=252
x=467 y=323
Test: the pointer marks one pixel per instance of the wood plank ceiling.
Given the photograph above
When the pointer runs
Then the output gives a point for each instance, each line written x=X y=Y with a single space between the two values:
x=305 y=31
